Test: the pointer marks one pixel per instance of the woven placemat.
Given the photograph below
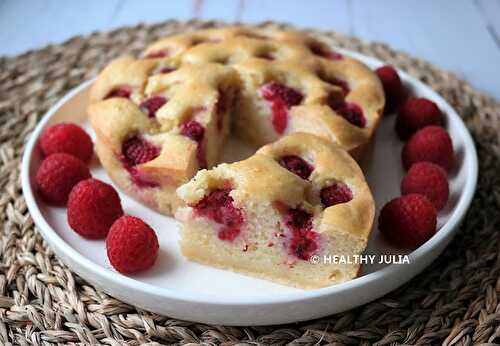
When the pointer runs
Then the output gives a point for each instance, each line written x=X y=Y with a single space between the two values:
x=455 y=301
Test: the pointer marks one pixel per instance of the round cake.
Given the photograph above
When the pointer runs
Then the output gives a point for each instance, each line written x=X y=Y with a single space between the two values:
x=162 y=117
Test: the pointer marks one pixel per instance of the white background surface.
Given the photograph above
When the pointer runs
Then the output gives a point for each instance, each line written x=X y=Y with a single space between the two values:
x=462 y=36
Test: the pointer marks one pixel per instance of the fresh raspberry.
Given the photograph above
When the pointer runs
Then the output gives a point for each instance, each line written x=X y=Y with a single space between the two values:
x=282 y=98
x=69 y=139
x=93 y=206
x=296 y=165
x=393 y=88
x=415 y=113
x=152 y=104
x=408 y=221
x=137 y=150
x=132 y=245
x=123 y=91
x=335 y=194
x=194 y=130
x=427 y=179
x=218 y=206
x=347 y=110
x=303 y=241
x=433 y=144
x=140 y=179
x=57 y=175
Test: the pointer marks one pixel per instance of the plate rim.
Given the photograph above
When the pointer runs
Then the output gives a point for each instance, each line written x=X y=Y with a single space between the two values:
x=448 y=229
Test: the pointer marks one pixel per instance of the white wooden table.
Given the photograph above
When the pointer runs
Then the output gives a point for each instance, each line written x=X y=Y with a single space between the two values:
x=458 y=35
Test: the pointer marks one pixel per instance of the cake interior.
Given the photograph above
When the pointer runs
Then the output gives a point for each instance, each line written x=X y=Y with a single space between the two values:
x=235 y=220
x=262 y=248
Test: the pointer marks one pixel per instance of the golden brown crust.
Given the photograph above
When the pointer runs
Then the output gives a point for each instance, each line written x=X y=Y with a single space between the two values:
x=331 y=164
x=293 y=64
x=233 y=58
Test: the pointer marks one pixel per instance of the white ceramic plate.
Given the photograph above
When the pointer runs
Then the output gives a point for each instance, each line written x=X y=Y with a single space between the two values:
x=179 y=288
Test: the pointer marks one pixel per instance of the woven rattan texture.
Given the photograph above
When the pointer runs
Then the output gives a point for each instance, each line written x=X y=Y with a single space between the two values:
x=455 y=301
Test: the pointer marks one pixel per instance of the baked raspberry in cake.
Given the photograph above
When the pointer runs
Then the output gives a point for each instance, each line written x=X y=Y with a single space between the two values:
x=338 y=100
x=162 y=117
x=290 y=82
x=268 y=215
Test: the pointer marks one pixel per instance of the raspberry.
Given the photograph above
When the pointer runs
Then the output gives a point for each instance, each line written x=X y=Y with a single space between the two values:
x=57 y=175
x=428 y=179
x=298 y=220
x=393 y=88
x=218 y=206
x=322 y=51
x=69 y=139
x=132 y=245
x=273 y=91
x=194 y=130
x=122 y=91
x=296 y=165
x=282 y=98
x=157 y=54
x=303 y=242
x=349 y=111
x=152 y=104
x=433 y=144
x=415 y=113
x=408 y=221
x=227 y=233
x=335 y=194
x=304 y=245
x=137 y=150
x=167 y=69
x=93 y=206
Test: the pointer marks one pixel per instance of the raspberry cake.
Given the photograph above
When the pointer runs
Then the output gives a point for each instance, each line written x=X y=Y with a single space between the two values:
x=162 y=117
x=266 y=216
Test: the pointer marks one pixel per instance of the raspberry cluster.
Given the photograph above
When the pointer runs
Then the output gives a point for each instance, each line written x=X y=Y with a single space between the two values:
x=94 y=207
x=411 y=219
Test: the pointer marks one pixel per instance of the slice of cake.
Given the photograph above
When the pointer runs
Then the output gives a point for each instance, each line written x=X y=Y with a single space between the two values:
x=297 y=201
x=157 y=125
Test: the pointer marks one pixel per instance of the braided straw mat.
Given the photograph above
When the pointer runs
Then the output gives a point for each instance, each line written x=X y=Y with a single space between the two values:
x=454 y=302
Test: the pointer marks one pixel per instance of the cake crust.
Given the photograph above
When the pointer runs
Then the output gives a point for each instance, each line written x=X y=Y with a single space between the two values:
x=220 y=78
